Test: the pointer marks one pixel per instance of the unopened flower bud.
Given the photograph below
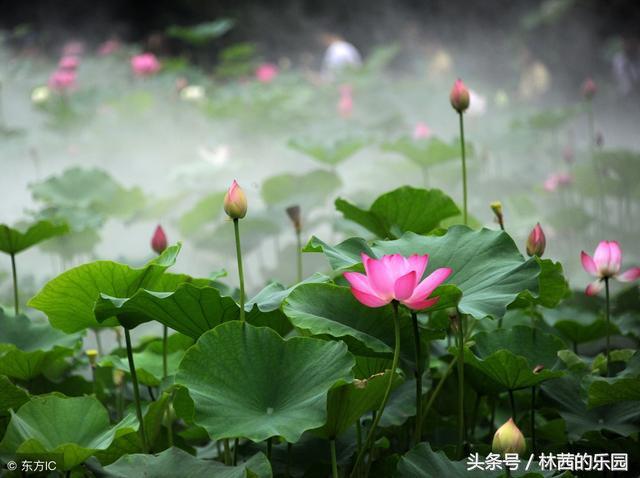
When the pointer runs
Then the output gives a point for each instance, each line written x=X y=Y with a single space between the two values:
x=496 y=207
x=509 y=439
x=538 y=368
x=235 y=202
x=589 y=89
x=459 y=96
x=294 y=214
x=159 y=240
x=536 y=242
x=92 y=355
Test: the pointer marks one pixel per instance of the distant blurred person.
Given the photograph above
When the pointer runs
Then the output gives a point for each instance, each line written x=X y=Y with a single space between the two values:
x=626 y=67
x=535 y=79
x=339 y=54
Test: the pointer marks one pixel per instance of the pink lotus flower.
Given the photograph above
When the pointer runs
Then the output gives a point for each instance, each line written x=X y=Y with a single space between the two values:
x=394 y=277
x=159 y=240
x=145 y=64
x=62 y=80
x=589 y=88
x=108 y=47
x=345 y=105
x=68 y=62
x=556 y=180
x=421 y=131
x=266 y=72
x=459 y=96
x=605 y=264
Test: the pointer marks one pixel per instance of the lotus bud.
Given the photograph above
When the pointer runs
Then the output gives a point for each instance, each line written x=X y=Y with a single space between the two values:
x=536 y=242
x=92 y=355
x=508 y=439
x=459 y=96
x=235 y=202
x=589 y=89
x=496 y=207
x=294 y=214
x=159 y=240
x=538 y=368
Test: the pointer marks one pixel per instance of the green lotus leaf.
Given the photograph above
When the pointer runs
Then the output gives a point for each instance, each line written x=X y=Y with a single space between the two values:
x=68 y=299
x=176 y=462
x=205 y=211
x=308 y=190
x=605 y=391
x=486 y=264
x=552 y=286
x=508 y=356
x=332 y=154
x=29 y=347
x=247 y=381
x=13 y=241
x=75 y=428
x=579 y=325
x=402 y=210
x=11 y=396
x=201 y=33
x=426 y=152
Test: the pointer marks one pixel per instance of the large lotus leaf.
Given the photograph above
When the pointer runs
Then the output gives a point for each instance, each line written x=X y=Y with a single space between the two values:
x=426 y=152
x=486 y=264
x=176 y=462
x=271 y=297
x=11 y=396
x=423 y=462
x=206 y=211
x=402 y=210
x=332 y=154
x=28 y=347
x=579 y=325
x=552 y=286
x=569 y=392
x=308 y=190
x=604 y=391
x=509 y=356
x=73 y=427
x=346 y=404
x=13 y=241
x=247 y=381
x=68 y=300
x=190 y=310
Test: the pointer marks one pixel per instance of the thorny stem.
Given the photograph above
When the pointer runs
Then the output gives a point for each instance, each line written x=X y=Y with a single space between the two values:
x=16 y=302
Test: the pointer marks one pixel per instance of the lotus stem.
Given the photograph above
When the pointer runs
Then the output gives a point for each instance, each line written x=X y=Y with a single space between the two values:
x=287 y=471
x=169 y=421
x=512 y=401
x=236 y=228
x=435 y=393
x=385 y=398
x=299 y=255
x=533 y=419
x=418 y=372
x=334 y=460
x=16 y=302
x=98 y=341
x=236 y=442
x=165 y=346
x=460 y=383
x=358 y=435
x=269 y=448
x=608 y=316
x=227 y=452
x=136 y=391
x=464 y=171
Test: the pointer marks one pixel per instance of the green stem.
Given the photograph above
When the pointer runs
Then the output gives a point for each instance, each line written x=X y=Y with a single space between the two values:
x=98 y=342
x=287 y=471
x=236 y=228
x=169 y=422
x=165 y=346
x=227 y=453
x=435 y=393
x=418 y=373
x=136 y=391
x=512 y=401
x=533 y=419
x=358 y=435
x=608 y=315
x=299 y=256
x=460 y=385
x=236 y=442
x=385 y=398
x=464 y=171
x=269 y=447
x=16 y=302
x=334 y=459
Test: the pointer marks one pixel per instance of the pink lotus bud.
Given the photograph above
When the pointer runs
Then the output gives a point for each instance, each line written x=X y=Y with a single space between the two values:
x=235 y=202
x=266 y=73
x=459 y=96
x=68 y=62
x=589 y=89
x=536 y=242
x=508 y=439
x=159 y=240
x=145 y=64
x=421 y=131
x=62 y=80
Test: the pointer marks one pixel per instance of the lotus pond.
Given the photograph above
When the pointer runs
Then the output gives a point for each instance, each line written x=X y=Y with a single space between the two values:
x=251 y=273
